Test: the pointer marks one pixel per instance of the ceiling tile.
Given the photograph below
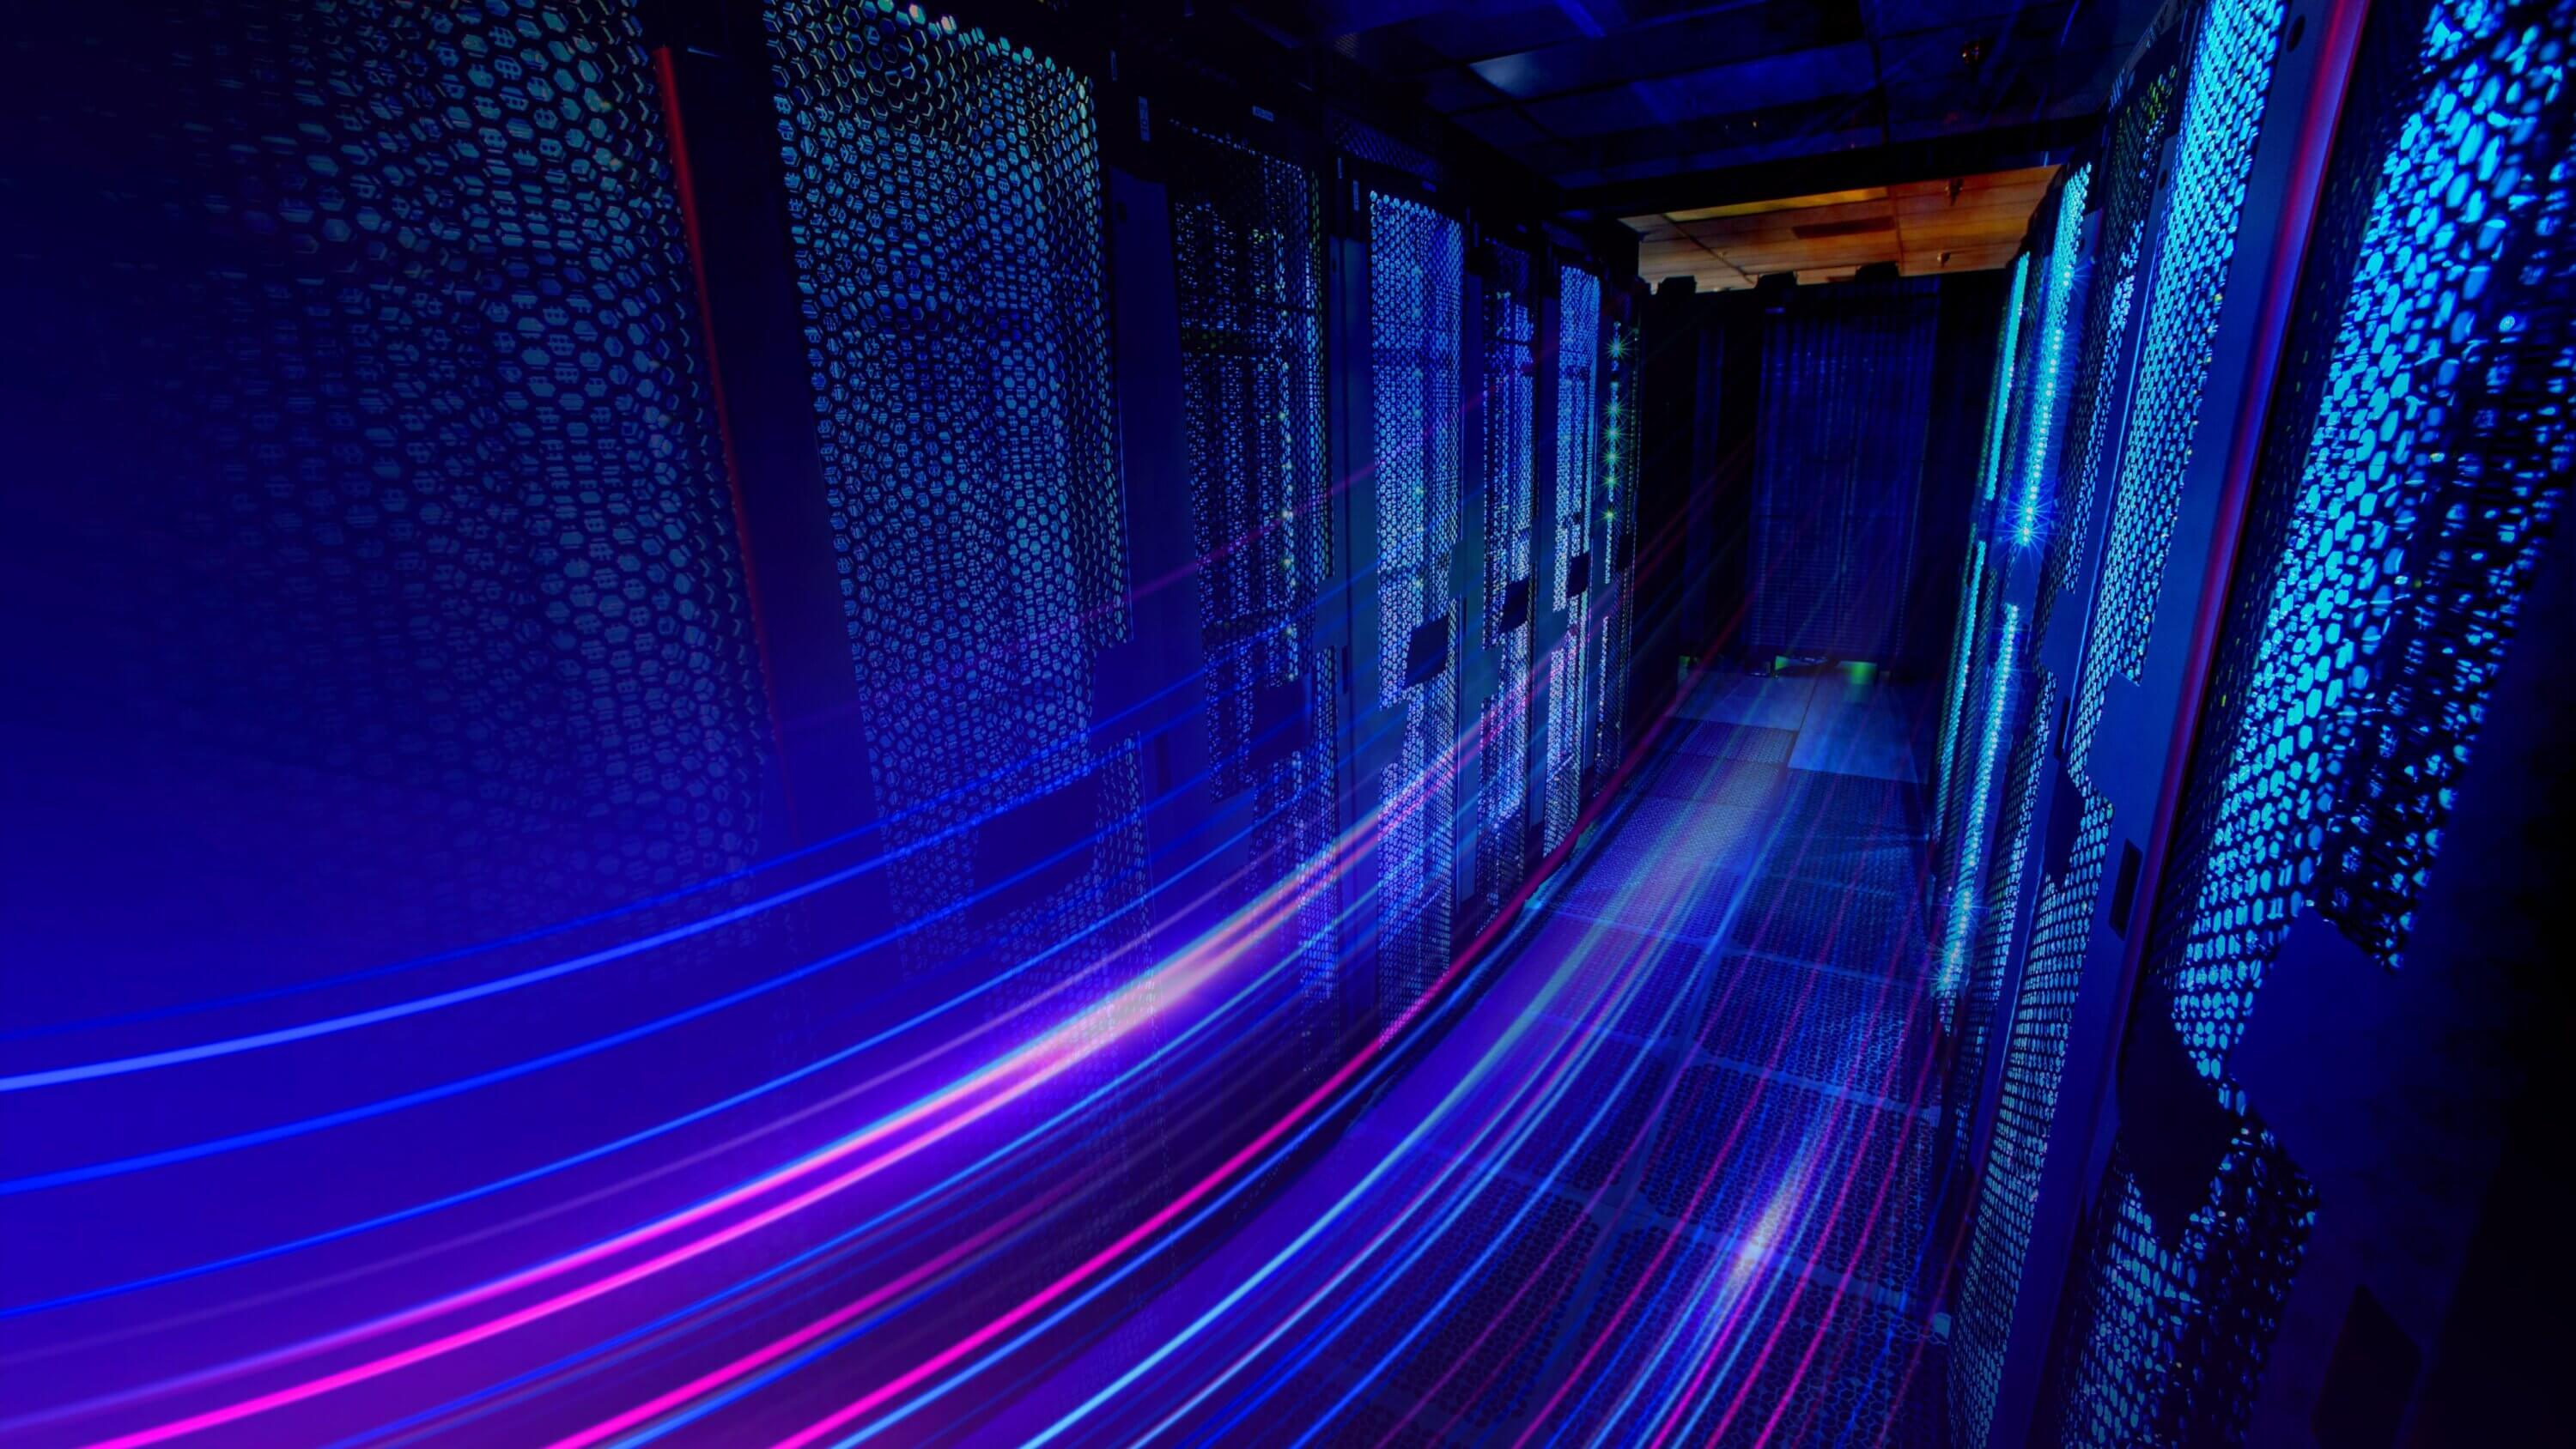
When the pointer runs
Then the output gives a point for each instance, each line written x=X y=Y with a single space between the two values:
x=1644 y=52
x=1597 y=113
x=1505 y=129
x=1455 y=89
x=1833 y=70
x=1480 y=32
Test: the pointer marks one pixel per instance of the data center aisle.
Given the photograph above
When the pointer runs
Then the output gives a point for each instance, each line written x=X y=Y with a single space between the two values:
x=1665 y=1178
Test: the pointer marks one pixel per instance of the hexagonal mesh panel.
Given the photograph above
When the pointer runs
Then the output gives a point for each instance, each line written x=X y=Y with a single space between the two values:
x=2128 y=186
x=2411 y=515
x=1998 y=923
x=1248 y=266
x=2415 y=462
x=2230 y=70
x=390 y=499
x=945 y=191
x=2164 y=1344
x=1572 y=689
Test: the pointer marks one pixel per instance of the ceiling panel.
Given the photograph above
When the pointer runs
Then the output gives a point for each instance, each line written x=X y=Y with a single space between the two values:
x=1475 y=32
x=1597 y=113
x=1831 y=70
x=1670 y=47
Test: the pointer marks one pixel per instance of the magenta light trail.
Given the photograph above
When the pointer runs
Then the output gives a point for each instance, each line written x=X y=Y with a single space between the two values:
x=903 y=1382
x=1008 y=1080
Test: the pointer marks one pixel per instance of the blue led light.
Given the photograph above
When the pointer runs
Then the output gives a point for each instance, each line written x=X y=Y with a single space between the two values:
x=1999 y=406
x=1965 y=883
x=2059 y=301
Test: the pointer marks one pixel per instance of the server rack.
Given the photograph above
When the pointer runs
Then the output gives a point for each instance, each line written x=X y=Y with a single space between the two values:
x=1222 y=207
x=2163 y=508
x=2256 y=659
x=2399 y=515
x=1566 y=645
x=2000 y=1114
x=887 y=445
x=1403 y=283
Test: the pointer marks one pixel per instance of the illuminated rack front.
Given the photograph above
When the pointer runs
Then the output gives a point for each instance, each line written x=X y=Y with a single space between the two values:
x=1416 y=273
x=1572 y=693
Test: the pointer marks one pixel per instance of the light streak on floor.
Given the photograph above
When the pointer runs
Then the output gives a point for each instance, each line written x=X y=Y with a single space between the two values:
x=1666 y=1180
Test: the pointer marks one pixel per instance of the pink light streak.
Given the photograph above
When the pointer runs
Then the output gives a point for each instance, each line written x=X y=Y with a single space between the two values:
x=1008 y=1080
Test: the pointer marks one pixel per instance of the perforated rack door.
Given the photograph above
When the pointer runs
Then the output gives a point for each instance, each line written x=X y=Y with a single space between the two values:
x=1998 y=925
x=1974 y=942
x=1979 y=585
x=1967 y=793
x=377 y=617
x=1417 y=269
x=945 y=192
x=2126 y=178
x=1571 y=687
x=2124 y=189
x=364 y=445
x=1248 y=268
x=1845 y=406
x=2222 y=110
x=2414 y=466
x=1508 y=403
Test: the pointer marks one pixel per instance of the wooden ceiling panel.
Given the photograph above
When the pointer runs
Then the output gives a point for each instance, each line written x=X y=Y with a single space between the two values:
x=1925 y=227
